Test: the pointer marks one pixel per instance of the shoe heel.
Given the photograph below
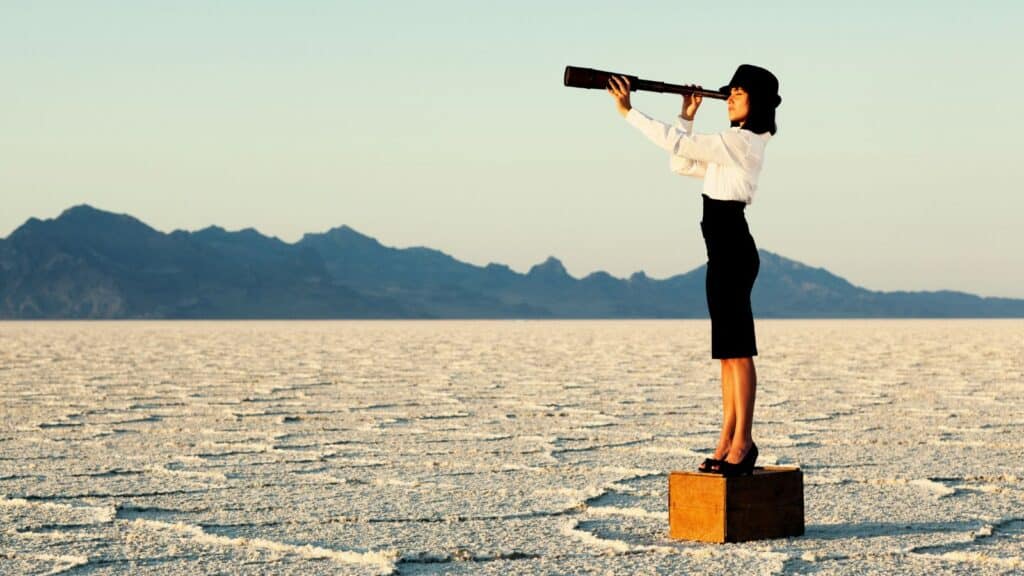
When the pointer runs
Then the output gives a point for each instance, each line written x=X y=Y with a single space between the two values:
x=744 y=468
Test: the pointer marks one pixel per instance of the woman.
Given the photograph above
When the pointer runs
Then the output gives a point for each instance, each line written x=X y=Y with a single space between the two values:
x=729 y=163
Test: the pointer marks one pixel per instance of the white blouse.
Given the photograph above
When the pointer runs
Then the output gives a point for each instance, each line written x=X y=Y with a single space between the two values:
x=729 y=162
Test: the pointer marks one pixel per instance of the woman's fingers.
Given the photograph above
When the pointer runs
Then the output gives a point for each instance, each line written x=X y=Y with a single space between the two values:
x=613 y=88
x=621 y=83
x=619 y=89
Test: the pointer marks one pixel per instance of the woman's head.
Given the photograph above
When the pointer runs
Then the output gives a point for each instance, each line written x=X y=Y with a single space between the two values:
x=739 y=104
x=750 y=112
x=753 y=95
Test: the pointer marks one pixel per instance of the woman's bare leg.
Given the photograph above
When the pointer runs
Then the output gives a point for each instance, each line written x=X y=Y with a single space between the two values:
x=744 y=389
x=728 y=413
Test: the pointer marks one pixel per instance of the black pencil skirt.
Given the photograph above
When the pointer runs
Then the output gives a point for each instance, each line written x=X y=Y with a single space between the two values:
x=732 y=267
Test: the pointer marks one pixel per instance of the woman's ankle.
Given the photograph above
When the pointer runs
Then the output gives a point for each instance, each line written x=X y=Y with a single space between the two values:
x=722 y=449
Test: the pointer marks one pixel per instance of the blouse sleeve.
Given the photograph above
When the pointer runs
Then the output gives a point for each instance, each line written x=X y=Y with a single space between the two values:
x=726 y=148
x=682 y=165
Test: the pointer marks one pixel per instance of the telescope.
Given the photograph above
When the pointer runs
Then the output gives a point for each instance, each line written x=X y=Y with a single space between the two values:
x=576 y=77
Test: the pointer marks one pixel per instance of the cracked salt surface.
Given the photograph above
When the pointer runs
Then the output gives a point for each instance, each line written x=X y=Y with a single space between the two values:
x=497 y=447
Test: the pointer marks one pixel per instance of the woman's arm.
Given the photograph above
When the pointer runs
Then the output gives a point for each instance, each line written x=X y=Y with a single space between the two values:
x=681 y=165
x=724 y=148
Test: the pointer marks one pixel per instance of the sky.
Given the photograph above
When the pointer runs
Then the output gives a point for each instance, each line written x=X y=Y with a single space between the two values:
x=445 y=124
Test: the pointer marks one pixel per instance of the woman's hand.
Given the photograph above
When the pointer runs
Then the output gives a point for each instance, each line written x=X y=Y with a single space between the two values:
x=618 y=87
x=691 y=102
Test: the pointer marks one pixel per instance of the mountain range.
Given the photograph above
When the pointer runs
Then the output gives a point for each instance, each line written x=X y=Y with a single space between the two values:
x=90 y=263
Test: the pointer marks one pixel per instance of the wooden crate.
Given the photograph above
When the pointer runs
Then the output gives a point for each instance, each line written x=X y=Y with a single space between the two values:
x=711 y=508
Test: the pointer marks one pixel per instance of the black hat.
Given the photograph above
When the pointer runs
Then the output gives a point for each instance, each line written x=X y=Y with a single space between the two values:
x=755 y=80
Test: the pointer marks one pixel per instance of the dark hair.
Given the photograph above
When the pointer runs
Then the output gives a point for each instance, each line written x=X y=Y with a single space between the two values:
x=760 y=115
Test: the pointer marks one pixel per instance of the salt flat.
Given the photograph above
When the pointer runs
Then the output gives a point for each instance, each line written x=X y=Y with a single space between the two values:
x=497 y=447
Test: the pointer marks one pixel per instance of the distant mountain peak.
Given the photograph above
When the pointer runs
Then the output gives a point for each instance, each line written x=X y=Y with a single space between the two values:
x=252 y=232
x=86 y=212
x=550 y=268
x=81 y=209
x=344 y=235
x=84 y=217
x=347 y=230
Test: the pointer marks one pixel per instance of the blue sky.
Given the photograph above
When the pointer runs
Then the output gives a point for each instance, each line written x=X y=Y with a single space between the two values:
x=445 y=124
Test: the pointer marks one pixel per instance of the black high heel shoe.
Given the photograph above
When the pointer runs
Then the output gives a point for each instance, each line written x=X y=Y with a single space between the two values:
x=708 y=465
x=711 y=464
x=744 y=468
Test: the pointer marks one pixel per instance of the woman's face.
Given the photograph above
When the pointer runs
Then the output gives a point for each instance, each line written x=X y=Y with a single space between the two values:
x=738 y=104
